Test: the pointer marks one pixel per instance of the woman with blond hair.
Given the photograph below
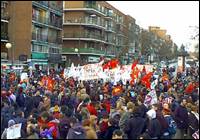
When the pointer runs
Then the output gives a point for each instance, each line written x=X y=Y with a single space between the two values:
x=90 y=132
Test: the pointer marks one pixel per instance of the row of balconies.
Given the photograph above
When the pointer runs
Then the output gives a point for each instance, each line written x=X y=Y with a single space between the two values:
x=57 y=22
x=4 y=36
x=88 y=36
x=46 y=38
x=94 y=50
x=49 y=4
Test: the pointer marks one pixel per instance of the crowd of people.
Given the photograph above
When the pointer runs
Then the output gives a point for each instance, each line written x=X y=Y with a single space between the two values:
x=75 y=109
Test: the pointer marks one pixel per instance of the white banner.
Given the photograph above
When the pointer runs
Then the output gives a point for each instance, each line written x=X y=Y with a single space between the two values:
x=95 y=71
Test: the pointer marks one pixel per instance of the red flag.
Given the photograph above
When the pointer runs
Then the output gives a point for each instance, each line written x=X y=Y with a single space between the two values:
x=105 y=66
x=134 y=64
x=111 y=64
x=117 y=90
x=189 y=88
x=50 y=84
x=146 y=79
x=114 y=63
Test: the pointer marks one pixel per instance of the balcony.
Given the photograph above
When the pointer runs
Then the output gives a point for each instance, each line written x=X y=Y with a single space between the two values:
x=4 y=36
x=57 y=40
x=39 y=37
x=46 y=22
x=5 y=16
x=93 y=51
x=110 y=29
x=57 y=23
x=45 y=38
x=40 y=19
x=86 y=22
x=41 y=4
x=91 y=9
x=84 y=36
x=55 y=6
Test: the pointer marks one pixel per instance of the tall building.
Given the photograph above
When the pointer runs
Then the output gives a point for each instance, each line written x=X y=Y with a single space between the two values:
x=35 y=32
x=4 y=30
x=92 y=29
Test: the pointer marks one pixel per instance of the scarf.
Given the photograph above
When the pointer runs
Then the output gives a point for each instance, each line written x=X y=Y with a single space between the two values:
x=195 y=114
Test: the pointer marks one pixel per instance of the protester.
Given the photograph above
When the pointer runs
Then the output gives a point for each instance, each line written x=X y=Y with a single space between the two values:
x=135 y=125
x=117 y=134
x=181 y=118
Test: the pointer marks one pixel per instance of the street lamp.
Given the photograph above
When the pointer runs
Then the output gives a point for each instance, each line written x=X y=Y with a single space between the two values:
x=8 y=46
x=76 y=50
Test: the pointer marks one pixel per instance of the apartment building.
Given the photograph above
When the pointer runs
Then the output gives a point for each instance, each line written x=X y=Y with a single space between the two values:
x=93 y=29
x=35 y=32
x=4 y=30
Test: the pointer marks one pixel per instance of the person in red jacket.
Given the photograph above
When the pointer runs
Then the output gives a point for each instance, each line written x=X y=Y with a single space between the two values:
x=91 y=109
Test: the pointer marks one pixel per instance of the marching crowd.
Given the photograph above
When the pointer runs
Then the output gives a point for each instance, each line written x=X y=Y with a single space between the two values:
x=74 y=109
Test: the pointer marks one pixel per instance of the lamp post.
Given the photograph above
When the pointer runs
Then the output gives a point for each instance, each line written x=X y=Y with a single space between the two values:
x=8 y=46
x=76 y=51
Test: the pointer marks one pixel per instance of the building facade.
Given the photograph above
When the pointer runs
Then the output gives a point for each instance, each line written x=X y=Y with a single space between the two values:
x=94 y=29
x=35 y=32
x=4 y=30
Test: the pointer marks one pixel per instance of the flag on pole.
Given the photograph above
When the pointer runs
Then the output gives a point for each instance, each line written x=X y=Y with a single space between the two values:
x=146 y=80
x=189 y=89
x=117 y=90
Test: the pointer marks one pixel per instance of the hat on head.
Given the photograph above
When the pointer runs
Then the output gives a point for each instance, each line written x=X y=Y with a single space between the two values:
x=152 y=114
x=56 y=109
x=11 y=123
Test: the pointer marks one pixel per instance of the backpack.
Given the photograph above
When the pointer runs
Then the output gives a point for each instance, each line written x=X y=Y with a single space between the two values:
x=172 y=125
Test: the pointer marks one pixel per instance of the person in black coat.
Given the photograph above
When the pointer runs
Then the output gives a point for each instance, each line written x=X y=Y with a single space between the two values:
x=134 y=127
x=37 y=99
x=181 y=119
x=112 y=126
x=29 y=105
x=20 y=98
x=154 y=126
x=142 y=108
x=19 y=118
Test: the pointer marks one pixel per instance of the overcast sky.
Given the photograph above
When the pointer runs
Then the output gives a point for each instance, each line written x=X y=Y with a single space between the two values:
x=174 y=16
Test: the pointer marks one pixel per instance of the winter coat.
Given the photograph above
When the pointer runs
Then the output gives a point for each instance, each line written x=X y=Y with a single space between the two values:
x=124 y=119
x=162 y=121
x=143 y=110
x=193 y=123
x=33 y=136
x=24 y=124
x=109 y=132
x=29 y=105
x=76 y=132
x=64 y=127
x=36 y=100
x=181 y=117
x=134 y=126
x=20 y=99
x=154 y=128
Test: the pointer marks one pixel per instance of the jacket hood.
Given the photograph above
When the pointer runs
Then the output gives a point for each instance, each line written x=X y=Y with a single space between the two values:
x=78 y=129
